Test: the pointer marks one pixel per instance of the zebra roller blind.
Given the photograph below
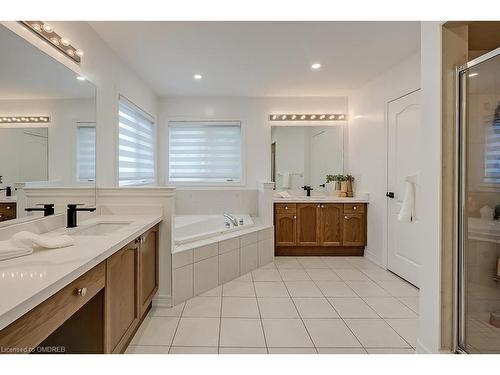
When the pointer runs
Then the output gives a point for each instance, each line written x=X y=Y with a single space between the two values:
x=136 y=145
x=85 y=152
x=206 y=151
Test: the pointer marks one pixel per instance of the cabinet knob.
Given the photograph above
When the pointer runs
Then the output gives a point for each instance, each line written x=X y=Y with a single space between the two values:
x=322 y=206
x=8 y=207
x=286 y=207
x=345 y=217
x=318 y=206
x=355 y=208
x=81 y=292
x=294 y=217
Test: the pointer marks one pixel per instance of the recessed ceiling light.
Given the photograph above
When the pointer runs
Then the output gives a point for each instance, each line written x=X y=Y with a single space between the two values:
x=197 y=76
x=80 y=78
x=316 y=66
x=473 y=74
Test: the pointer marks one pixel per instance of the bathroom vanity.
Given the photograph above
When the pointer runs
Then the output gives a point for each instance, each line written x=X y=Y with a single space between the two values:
x=320 y=227
x=87 y=298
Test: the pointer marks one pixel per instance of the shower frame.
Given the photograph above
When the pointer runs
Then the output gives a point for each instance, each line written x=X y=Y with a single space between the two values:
x=460 y=168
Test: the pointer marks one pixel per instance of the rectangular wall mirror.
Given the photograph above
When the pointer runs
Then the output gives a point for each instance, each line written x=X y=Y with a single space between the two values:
x=304 y=155
x=47 y=125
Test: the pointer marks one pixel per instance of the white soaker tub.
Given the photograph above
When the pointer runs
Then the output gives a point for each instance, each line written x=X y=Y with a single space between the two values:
x=190 y=228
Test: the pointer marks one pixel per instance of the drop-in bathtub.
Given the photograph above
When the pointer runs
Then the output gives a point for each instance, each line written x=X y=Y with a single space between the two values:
x=190 y=228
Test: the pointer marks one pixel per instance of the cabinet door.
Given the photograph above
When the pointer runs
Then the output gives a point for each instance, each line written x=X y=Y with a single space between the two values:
x=148 y=263
x=122 y=302
x=285 y=229
x=307 y=224
x=354 y=230
x=330 y=224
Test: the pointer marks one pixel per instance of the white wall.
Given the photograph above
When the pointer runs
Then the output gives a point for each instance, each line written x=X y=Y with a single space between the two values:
x=367 y=149
x=430 y=290
x=111 y=76
x=252 y=112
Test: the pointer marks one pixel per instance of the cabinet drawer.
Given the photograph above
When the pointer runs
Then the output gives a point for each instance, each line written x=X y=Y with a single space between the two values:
x=7 y=211
x=285 y=208
x=36 y=325
x=352 y=208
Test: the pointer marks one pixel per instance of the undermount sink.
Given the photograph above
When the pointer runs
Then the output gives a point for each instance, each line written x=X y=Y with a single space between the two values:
x=100 y=229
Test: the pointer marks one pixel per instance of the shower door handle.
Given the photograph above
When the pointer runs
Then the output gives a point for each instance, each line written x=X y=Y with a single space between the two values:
x=390 y=194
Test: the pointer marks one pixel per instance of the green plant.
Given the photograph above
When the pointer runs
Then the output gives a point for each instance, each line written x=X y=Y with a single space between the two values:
x=335 y=178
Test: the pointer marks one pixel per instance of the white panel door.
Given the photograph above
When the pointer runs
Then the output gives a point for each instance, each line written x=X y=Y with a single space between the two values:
x=404 y=150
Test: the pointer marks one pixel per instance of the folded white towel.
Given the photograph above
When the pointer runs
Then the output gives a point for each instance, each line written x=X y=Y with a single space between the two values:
x=10 y=250
x=284 y=194
x=407 y=213
x=28 y=239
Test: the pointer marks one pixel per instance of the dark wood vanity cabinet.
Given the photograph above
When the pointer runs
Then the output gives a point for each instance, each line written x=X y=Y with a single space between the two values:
x=320 y=228
x=122 y=297
x=7 y=211
x=148 y=268
x=97 y=313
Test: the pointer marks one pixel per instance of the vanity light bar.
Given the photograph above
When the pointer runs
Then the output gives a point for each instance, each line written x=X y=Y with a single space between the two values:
x=47 y=33
x=23 y=119
x=308 y=117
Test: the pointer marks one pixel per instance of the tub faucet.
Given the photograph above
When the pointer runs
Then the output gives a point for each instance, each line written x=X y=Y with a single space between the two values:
x=232 y=219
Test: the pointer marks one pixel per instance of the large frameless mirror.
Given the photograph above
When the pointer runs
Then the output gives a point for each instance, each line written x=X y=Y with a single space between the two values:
x=47 y=126
x=305 y=155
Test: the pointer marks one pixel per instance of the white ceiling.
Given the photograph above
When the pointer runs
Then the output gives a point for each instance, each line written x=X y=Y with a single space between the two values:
x=28 y=73
x=259 y=58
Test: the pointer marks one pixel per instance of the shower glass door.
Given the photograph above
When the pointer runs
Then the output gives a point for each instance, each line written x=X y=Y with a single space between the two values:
x=478 y=276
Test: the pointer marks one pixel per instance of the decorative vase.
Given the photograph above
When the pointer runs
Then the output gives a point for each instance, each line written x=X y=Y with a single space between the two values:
x=337 y=185
x=343 y=186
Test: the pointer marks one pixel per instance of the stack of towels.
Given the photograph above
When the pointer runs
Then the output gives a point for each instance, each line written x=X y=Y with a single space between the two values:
x=23 y=243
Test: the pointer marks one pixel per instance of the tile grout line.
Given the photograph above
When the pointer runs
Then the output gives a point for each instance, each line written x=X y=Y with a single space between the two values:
x=298 y=312
x=220 y=316
x=176 y=327
x=260 y=314
x=349 y=328
x=363 y=299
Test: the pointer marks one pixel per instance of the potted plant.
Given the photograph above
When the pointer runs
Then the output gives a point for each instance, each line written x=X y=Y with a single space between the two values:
x=337 y=178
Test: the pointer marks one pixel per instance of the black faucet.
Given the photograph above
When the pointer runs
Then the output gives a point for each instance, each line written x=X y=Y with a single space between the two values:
x=48 y=209
x=307 y=189
x=71 y=214
x=8 y=191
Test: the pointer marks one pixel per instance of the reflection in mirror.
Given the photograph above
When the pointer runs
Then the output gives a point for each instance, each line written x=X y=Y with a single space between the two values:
x=47 y=125
x=304 y=155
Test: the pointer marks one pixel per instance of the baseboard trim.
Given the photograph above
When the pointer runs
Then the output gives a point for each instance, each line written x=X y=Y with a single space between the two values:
x=422 y=349
x=370 y=256
x=162 y=301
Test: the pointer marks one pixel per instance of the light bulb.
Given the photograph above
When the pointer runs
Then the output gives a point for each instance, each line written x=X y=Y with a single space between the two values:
x=70 y=52
x=273 y=117
x=303 y=117
x=283 y=117
x=331 y=117
x=198 y=76
x=47 y=28
x=37 y=27
x=55 y=41
x=79 y=52
x=65 y=42
x=313 y=117
x=316 y=66
x=294 y=117
x=321 y=117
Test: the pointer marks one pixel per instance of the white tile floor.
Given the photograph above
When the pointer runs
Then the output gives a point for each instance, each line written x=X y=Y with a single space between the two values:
x=294 y=305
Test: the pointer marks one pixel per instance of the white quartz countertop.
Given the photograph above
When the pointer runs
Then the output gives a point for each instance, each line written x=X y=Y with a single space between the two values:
x=322 y=199
x=8 y=199
x=27 y=281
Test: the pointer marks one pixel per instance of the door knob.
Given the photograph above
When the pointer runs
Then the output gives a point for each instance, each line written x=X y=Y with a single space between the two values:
x=389 y=194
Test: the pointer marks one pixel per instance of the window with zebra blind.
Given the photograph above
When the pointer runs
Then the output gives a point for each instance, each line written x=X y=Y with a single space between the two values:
x=85 y=152
x=205 y=152
x=136 y=145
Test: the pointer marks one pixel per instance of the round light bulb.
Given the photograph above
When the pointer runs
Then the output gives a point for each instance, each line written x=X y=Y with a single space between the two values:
x=313 y=117
x=273 y=117
x=70 y=52
x=79 y=52
x=37 y=26
x=47 y=28
x=294 y=117
x=303 y=117
x=283 y=117
x=65 y=42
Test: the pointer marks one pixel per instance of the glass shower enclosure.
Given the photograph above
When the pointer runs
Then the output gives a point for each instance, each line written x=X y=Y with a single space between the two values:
x=478 y=226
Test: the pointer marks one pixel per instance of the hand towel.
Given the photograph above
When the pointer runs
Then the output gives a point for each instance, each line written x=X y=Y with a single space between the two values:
x=285 y=180
x=28 y=239
x=284 y=194
x=407 y=213
x=9 y=250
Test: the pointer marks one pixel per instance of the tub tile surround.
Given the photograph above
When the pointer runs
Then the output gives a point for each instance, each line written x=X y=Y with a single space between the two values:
x=200 y=269
x=264 y=312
